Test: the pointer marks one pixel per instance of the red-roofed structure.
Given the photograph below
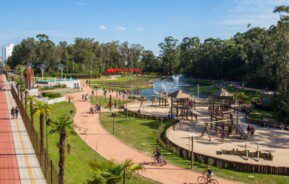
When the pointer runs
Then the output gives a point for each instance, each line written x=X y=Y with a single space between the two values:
x=116 y=71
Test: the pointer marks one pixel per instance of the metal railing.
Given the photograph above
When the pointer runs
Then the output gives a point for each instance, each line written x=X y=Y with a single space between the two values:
x=46 y=164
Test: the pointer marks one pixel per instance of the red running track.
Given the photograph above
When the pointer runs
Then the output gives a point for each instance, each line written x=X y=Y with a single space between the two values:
x=9 y=173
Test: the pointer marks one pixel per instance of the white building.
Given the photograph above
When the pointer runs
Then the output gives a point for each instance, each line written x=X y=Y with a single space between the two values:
x=7 y=51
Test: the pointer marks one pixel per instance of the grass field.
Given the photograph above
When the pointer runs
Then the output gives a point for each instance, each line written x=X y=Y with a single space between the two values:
x=104 y=102
x=142 y=135
x=78 y=162
x=123 y=83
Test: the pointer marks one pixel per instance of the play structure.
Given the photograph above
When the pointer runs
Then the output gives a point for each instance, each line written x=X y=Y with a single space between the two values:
x=125 y=71
x=222 y=120
x=161 y=100
x=182 y=105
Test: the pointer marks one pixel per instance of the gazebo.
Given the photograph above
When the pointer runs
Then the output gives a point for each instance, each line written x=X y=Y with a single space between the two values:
x=180 y=104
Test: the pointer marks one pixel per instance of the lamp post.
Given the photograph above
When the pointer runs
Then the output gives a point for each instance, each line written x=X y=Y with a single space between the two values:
x=192 y=154
x=198 y=91
x=113 y=115
x=258 y=153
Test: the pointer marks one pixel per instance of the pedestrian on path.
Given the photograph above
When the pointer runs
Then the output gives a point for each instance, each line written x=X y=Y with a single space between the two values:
x=248 y=130
x=252 y=132
x=223 y=137
x=12 y=112
x=16 y=112
x=91 y=110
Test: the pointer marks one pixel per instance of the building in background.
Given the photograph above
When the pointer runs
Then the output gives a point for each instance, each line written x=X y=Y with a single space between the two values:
x=7 y=52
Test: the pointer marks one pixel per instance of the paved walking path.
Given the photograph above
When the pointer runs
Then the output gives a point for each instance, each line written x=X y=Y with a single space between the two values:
x=18 y=162
x=111 y=148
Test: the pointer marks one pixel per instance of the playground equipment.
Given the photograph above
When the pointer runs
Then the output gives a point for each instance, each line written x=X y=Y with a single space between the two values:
x=161 y=100
x=181 y=104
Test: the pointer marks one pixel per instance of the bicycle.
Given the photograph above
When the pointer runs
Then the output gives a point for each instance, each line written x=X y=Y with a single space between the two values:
x=203 y=180
x=160 y=162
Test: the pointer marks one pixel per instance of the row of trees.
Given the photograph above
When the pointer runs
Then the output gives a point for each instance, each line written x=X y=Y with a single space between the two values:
x=258 y=57
x=83 y=56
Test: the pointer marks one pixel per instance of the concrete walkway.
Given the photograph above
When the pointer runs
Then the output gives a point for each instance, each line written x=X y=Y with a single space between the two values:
x=18 y=161
x=90 y=130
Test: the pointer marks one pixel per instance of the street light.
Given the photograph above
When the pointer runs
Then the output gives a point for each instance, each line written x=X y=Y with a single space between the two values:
x=113 y=115
x=192 y=155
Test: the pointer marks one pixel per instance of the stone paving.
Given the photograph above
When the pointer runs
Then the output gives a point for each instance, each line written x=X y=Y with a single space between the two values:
x=18 y=161
x=269 y=139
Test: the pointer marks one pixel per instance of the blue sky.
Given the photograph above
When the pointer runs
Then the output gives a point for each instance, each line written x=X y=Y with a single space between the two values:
x=138 y=21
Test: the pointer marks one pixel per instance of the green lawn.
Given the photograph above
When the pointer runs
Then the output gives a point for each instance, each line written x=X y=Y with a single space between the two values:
x=142 y=135
x=104 y=102
x=123 y=83
x=78 y=162
x=205 y=90
x=259 y=114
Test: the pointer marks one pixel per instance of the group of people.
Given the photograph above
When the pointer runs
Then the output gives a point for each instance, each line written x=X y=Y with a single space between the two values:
x=84 y=96
x=250 y=131
x=14 y=112
x=95 y=109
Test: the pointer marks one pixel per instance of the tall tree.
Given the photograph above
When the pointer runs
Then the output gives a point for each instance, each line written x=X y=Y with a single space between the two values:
x=43 y=110
x=61 y=126
x=169 y=53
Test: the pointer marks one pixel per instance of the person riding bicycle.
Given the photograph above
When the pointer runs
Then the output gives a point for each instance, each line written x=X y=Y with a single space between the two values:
x=209 y=173
x=158 y=155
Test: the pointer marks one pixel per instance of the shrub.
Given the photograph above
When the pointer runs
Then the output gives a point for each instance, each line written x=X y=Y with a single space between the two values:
x=51 y=95
x=210 y=161
x=219 y=165
x=200 y=160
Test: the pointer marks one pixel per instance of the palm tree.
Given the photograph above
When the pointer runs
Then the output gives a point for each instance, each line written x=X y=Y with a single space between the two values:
x=19 y=70
x=61 y=125
x=31 y=99
x=43 y=109
x=21 y=87
x=112 y=172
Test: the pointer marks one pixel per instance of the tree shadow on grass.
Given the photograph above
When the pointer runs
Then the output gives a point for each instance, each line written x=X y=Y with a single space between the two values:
x=152 y=124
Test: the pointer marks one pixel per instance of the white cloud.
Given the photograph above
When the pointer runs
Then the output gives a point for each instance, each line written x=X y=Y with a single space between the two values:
x=139 y=28
x=120 y=28
x=239 y=13
x=103 y=27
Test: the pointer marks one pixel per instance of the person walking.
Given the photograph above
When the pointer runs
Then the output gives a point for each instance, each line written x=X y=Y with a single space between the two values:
x=248 y=130
x=252 y=132
x=12 y=112
x=223 y=137
x=16 y=112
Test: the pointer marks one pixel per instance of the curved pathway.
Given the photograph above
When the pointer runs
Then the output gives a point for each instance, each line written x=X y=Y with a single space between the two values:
x=90 y=130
